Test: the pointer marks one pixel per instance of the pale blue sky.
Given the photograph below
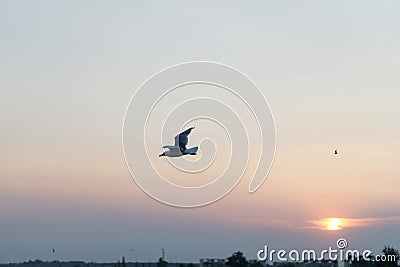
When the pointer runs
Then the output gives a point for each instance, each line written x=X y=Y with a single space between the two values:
x=69 y=68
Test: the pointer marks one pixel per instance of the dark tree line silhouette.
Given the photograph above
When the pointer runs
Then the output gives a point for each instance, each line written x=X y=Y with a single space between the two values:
x=237 y=259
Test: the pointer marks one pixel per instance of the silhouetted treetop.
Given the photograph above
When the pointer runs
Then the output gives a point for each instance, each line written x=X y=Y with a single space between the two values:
x=237 y=260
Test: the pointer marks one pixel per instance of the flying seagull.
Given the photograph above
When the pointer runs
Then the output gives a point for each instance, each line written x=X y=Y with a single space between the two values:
x=336 y=152
x=179 y=149
x=54 y=250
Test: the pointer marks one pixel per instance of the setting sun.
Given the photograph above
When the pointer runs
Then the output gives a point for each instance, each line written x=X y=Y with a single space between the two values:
x=333 y=224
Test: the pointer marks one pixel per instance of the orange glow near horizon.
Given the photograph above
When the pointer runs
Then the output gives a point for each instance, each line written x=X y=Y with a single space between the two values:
x=330 y=224
x=335 y=224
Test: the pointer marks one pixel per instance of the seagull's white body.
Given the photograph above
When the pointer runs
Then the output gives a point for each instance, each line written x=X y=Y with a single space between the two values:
x=173 y=151
x=179 y=148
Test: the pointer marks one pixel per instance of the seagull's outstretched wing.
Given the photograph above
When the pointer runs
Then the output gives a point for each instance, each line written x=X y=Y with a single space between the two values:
x=181 y=139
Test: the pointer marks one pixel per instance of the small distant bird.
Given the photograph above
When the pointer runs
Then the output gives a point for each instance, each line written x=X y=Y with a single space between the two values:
x=54 y=251
x=336 y=152
x=179 y=149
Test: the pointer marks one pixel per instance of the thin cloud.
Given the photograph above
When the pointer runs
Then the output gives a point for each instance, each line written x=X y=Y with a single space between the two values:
x=336 y=223
x=263 y=222
x=323 y=224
